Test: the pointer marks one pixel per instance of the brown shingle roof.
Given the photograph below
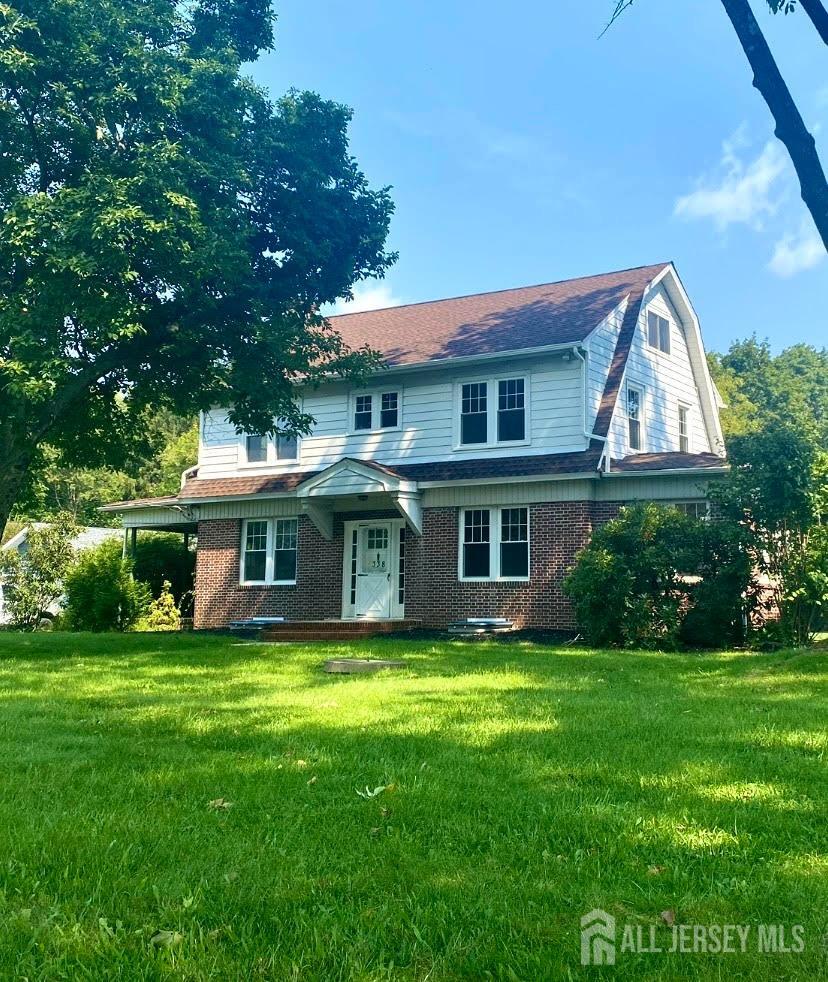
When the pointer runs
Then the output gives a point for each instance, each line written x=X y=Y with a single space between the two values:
x=583 y=462
x=668 y=461
x=507 y=320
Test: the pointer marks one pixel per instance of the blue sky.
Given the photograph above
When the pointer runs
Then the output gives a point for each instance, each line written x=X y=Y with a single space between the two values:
x=522 y=149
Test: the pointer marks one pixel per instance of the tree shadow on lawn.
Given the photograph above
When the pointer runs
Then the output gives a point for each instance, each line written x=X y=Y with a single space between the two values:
x=518 y=795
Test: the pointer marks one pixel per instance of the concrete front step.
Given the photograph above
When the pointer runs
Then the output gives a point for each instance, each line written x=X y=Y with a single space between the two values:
x=332 y=630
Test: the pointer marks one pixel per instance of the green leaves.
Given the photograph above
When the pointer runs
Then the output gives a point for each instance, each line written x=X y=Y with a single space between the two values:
x=167 y=232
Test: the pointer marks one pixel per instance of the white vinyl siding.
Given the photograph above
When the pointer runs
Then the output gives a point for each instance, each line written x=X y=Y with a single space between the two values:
x=428 y=423
x=667 y=379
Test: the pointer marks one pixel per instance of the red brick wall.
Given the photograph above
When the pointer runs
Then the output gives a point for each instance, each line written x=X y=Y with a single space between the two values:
x=434 y=595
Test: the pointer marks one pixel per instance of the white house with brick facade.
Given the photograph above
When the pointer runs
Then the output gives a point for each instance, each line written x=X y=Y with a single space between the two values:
x=462 y=481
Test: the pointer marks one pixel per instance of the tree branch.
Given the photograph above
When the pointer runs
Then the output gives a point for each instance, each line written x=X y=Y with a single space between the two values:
x=818 y=15
x=790 y=128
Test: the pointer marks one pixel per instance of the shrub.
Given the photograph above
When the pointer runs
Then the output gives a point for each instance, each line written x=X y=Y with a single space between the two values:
x=33 y=580
x=654 y=577
x=162 y=613
x=101 y=594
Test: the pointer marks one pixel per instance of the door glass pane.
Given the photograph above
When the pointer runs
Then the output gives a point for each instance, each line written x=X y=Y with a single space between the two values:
x=375 y=549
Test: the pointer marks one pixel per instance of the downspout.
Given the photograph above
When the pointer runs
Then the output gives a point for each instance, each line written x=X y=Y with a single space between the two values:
x=604 y=461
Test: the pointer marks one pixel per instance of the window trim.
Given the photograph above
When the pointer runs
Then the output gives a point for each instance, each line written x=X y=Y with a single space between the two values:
x=687 y=409
x=657 y=348
x=272 y=460
x=376 y=410
x=642 y=420
x=270 y=560
x=491 y=411
x=495 y=528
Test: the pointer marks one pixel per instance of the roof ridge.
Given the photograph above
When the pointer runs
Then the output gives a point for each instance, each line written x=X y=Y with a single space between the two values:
x=491 y=293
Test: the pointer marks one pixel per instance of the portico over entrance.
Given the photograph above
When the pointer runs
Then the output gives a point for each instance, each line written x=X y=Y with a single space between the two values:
x=373 y=561
x=354 y=484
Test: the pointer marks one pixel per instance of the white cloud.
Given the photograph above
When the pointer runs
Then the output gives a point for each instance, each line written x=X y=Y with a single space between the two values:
x=741 y=191
x=796 y=252
x=368 y=296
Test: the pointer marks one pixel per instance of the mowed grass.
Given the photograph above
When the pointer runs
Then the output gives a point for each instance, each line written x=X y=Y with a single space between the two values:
x=524 y=785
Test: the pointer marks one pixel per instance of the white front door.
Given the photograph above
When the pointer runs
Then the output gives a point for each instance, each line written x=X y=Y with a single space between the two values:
x=374 y=570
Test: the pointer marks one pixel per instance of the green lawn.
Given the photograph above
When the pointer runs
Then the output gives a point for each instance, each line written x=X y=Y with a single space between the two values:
x=524 y=786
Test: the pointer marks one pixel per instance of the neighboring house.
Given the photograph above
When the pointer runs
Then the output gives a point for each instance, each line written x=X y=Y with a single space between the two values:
x=85 y=539
x=465 y=478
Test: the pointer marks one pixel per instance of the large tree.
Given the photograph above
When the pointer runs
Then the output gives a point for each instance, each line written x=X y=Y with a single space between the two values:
x=789 y=126
x=168 y=234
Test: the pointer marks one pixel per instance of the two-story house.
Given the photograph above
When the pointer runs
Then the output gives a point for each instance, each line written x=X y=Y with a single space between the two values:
x=465 y=478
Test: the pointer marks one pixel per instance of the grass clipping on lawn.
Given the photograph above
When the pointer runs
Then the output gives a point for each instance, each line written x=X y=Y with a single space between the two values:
x=189 y=807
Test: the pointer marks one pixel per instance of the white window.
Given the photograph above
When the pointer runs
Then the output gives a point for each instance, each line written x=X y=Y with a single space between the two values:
x=267 y=450
x=375 y=410
x=658 y=332
x=684 y=428
x=269 y=548
x=493 y=412
x=635 y=403
x=494 y=544
x=695 y=509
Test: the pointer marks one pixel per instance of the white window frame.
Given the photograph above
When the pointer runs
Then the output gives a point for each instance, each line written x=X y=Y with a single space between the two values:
x=376 y=410
x=657 y=347
x=642 y=421
x=491 y=382
x=686 y=408
x=269 y=557
x=272 y=460
x=494 y=544
x=683 y=503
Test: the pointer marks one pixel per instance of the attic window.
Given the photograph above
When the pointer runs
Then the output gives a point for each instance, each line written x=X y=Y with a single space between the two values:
x=658 y=332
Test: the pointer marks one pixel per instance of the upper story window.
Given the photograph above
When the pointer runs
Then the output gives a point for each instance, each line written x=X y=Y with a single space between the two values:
x=658 y=332
x=493 y=411
x=256 y=449
x=635 y=401
x=375 y=410
x=494 y=544
x=267 y=450
x=269 y=551
x=684 y=428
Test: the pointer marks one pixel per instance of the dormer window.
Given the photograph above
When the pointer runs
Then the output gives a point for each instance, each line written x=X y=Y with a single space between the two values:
x=493 y=412
x=375 y=411
x=658 y=332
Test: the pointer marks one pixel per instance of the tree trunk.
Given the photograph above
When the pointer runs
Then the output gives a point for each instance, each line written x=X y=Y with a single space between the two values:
x=790 y=128
x=12 y=475
x=818 y=15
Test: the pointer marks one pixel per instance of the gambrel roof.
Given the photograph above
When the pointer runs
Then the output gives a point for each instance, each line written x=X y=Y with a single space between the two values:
x=529 y=317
